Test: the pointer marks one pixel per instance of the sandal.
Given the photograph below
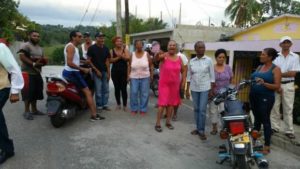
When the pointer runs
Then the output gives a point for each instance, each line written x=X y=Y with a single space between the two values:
x=290 y=135
x=169 y=126
x=158 y=128
x=266 y=150
x=195 y=132
x=28 y=115
x=214 y=132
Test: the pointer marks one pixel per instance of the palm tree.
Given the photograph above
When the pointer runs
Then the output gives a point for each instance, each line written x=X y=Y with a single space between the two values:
x=244 y=12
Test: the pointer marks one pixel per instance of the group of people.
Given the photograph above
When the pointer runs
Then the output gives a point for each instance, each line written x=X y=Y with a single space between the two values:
x=202 y=78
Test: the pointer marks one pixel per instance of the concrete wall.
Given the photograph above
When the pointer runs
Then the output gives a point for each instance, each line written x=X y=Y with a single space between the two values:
x=191 y=34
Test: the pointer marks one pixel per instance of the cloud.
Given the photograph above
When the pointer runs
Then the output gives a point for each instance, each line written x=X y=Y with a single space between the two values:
x=67 y=16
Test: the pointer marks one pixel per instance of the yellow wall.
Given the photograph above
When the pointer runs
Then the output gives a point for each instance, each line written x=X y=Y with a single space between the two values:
x=274 y=30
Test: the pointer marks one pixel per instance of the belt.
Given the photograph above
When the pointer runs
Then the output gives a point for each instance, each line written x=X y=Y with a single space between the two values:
x=288 y=81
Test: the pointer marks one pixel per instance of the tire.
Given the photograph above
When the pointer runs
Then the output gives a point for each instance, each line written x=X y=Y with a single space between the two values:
x=241 y=162
x=57 y=120
x=155 y=88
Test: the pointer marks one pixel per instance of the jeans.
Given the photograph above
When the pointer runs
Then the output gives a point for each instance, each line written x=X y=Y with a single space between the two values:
x=200 y=100
x=6 y=144
x=139 y=94
x=261 y=106
x=101 y=90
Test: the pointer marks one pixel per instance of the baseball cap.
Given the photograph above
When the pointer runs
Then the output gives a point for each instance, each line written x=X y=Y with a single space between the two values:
x=284 y=38
x=99 y=34
x=87 y=34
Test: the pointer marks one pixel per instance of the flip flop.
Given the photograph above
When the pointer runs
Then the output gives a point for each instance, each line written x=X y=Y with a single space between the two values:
x=158 y=128
x=169 y=126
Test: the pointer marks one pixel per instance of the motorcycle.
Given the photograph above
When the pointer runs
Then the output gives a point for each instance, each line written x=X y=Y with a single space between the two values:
x=243 y=147
x=154 y=84
x=63 y=100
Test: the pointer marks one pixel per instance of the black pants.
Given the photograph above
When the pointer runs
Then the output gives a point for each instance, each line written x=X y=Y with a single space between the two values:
x=33 y=88
x=261 y=106
x=6 y=144
x=119 y=79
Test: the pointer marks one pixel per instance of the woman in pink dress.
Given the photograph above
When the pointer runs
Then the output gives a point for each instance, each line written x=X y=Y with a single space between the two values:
x=169 y=84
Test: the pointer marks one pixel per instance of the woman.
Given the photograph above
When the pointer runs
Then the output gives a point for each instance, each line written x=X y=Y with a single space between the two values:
x=169 y=84
x=119 y=71
x=223 y=77
x=262 y=93
x=140 y=74
x=201 y=79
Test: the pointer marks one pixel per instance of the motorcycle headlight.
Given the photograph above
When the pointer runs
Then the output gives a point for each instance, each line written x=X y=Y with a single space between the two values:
x=239 y=146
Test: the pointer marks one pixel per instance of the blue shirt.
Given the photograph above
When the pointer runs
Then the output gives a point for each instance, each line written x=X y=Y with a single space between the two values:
x=267 y=77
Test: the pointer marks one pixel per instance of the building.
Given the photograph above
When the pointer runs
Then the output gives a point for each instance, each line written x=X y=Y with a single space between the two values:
x=248 y=44
x=184 y=34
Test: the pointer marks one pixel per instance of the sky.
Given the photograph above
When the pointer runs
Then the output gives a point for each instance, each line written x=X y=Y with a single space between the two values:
x=102 y=12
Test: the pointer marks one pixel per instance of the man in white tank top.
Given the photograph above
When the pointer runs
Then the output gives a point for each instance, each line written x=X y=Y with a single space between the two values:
x=72 y=72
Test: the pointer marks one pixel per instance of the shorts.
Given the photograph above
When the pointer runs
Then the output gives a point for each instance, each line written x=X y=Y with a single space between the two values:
x=76 y=78
x=33 y=87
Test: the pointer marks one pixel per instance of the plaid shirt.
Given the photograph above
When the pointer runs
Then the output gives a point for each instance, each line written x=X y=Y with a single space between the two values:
x=201 y=74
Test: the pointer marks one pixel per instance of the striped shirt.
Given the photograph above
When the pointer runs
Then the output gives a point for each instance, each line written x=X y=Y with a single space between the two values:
x=201 y=74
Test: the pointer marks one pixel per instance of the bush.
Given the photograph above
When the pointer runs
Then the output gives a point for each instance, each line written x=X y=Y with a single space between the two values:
x=57 y=56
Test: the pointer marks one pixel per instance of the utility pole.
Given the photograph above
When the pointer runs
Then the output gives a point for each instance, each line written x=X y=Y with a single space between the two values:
x=161 y=15
x=135 y=10
x=149 y=2
x=119 y=19
x=179 y=18
x=126 y=22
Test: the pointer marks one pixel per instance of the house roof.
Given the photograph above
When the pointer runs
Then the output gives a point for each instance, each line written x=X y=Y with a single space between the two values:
x=266 y=22
x=151 y=32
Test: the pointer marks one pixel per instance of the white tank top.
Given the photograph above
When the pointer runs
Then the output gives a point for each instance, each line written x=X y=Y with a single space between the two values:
x=139 y=67
x=76 y=58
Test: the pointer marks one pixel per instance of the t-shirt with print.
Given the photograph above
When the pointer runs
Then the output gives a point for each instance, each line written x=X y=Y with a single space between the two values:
x=33 y=52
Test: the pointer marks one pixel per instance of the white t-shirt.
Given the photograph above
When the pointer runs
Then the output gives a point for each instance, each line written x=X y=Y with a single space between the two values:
x=84 y=52
x=183 y=58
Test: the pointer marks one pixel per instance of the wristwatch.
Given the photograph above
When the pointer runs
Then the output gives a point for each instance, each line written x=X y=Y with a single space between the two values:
x=33 y=64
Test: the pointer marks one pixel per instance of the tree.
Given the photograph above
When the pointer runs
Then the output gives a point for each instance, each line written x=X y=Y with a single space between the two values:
x=12 y=23
x=244 y=12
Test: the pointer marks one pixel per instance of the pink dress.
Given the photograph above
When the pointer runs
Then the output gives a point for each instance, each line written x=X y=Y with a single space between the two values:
x=169 y=82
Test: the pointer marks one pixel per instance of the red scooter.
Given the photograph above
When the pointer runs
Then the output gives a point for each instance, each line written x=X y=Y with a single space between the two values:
x=63 y=101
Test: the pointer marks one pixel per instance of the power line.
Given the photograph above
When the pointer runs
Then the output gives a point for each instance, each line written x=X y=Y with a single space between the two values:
x=96 y=10
x=87 y=8
x=166 y=5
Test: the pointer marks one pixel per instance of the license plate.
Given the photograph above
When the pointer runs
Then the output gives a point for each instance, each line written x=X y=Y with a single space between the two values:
x=246 y=139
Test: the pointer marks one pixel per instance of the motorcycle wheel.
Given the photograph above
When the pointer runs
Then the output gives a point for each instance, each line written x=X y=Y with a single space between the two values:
x=155 y=88
x=241 y=162
x=57 y=120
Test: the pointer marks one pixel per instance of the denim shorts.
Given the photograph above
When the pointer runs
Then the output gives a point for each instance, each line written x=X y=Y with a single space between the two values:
x=76 y=78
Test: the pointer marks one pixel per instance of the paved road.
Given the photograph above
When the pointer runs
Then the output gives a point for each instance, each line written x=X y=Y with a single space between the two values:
x=121 y=141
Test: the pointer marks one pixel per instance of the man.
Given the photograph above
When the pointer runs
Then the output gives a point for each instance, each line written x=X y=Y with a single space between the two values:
x=289 y=65
x=84 y=62
x=8 y=66
x=99 y=55
x=200 y=80
x=72 y=70
x=87 y=43
x=33 y=59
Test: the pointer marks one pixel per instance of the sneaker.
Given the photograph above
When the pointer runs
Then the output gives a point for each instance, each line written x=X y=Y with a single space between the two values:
x=100 y=117
x=143 y=113
x=106 y=108
x=94 y=118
